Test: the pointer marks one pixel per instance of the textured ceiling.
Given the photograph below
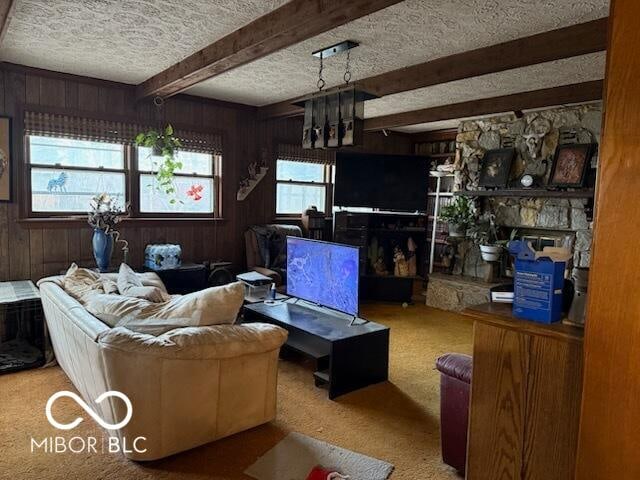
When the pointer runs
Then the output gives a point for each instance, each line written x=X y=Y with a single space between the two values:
x=407 y=33
x=121 y=40
x=544 y=75
x=130 y=41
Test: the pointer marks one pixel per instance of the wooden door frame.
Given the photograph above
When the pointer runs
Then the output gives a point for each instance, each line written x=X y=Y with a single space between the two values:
x=610 y=416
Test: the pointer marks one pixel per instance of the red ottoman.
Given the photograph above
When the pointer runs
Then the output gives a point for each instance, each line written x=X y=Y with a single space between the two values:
x=455 y=386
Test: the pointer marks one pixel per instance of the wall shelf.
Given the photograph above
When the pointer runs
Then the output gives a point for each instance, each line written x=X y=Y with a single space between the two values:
x=252 y=183
x=441 y=194
x=529 y=227
x=529 y=193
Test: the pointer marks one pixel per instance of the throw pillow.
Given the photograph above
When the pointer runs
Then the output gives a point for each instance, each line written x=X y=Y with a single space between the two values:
x=213 y=306
x=81 y=283
x=130 y=285
x=112 y=309
x=110 y=287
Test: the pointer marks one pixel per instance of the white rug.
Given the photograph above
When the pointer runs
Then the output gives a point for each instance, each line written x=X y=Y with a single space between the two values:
x=295 y=456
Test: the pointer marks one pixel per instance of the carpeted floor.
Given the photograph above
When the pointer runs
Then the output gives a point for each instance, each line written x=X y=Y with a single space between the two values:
x=397 y=421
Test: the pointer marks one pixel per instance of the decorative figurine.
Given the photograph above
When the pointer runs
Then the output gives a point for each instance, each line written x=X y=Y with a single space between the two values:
x=411 y=257
x=380 y=268
x=252 y=170
x=401 y=267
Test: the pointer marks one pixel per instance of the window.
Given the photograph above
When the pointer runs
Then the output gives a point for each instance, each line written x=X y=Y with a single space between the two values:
x=195 y=183
x=300 y=185
x=65 y=174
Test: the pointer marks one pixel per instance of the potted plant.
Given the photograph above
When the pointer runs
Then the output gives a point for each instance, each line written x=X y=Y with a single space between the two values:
x=459 y=215
x=163 y=144
x=485 y=234
x=104 y=215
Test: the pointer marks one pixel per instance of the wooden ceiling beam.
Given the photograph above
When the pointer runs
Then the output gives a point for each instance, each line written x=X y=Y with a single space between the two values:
x=581 y=39
x=6 y=11
x=287 y=25
x=547 y=97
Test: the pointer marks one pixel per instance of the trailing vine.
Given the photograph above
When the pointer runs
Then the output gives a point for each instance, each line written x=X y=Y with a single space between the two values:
x=163 y=144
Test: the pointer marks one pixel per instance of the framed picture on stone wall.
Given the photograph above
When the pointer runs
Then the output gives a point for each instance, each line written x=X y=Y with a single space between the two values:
x=570 y=165
x=6 y=166
x=496 y=167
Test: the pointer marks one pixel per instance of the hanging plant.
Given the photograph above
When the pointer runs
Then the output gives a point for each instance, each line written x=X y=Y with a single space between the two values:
x=163 y=144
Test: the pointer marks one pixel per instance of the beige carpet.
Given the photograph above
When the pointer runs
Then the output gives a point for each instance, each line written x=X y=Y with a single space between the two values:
x=396 y=421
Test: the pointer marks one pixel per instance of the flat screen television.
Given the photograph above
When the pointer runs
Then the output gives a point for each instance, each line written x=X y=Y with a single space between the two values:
x=323 y=273
x=387 y=182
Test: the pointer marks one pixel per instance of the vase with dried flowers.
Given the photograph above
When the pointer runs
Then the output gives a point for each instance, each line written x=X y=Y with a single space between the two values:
x=104 y=214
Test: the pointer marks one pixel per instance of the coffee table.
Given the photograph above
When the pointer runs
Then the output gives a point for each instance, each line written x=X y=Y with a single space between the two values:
x=348 y=357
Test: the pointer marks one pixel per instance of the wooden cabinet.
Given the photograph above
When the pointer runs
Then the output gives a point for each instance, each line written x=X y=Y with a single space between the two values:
x=525 y=397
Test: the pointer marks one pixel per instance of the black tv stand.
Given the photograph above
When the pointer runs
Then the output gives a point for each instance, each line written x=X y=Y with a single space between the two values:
x=348 y=357
x=387 y=230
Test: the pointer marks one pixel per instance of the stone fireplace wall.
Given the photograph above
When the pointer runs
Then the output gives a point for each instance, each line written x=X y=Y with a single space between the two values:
x=535 y=137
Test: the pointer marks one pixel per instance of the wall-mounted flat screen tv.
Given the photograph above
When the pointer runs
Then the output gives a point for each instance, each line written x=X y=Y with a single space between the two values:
x=323 y=273
x=387 y=182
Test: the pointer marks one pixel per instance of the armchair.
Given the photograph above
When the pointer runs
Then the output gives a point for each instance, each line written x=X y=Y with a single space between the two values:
x=266 y=249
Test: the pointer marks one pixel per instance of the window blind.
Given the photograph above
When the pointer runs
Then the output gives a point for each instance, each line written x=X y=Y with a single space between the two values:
x=298 y=154
x=48 y=124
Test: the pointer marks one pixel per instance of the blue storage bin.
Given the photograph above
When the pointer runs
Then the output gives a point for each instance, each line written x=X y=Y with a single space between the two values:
x=162 y=257
x=538 y=284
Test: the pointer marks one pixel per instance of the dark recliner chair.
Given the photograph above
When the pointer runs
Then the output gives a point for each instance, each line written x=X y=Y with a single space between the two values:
x=455 y=386
x=266 y=249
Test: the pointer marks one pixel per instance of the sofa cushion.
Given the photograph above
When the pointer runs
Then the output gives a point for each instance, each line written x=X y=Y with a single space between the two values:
x=130 y=285
x=215 y=341
x=456 y=365
x=111 y=309
x=110 y=287
x=80 y=283
x=154 y=326
x=148 y=279
x=212 y=306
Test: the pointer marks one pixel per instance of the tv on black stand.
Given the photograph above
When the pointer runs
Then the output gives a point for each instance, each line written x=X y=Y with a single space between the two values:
x=395 y=189
x=323 y=279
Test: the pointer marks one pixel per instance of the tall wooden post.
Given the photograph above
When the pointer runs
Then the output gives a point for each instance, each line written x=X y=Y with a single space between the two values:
x=609 y=444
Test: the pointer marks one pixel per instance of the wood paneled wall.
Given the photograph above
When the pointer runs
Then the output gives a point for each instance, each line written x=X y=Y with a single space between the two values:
x=610 y=419
x=30 y=250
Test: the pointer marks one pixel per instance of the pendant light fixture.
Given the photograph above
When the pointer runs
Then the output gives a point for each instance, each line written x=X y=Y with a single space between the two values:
x=334 y=118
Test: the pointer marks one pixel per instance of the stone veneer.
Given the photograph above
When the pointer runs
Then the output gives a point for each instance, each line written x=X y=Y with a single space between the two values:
x=575 y=124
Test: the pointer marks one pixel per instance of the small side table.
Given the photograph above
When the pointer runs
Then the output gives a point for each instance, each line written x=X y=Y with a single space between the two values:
x=187 y=278
x=22 y=330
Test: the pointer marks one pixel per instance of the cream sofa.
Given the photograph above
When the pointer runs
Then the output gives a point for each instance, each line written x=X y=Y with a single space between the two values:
x=187 y=387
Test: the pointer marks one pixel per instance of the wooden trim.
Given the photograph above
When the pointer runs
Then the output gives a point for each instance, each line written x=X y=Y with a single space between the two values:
x=143 y=222
x=544 y=47
x=547 y=97
x=435 y=136
x=501 y=315
x=287 y=25
x=609 y=441
x=6 y=12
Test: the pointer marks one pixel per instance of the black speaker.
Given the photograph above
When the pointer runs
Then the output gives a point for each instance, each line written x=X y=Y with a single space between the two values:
x=221 y=273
